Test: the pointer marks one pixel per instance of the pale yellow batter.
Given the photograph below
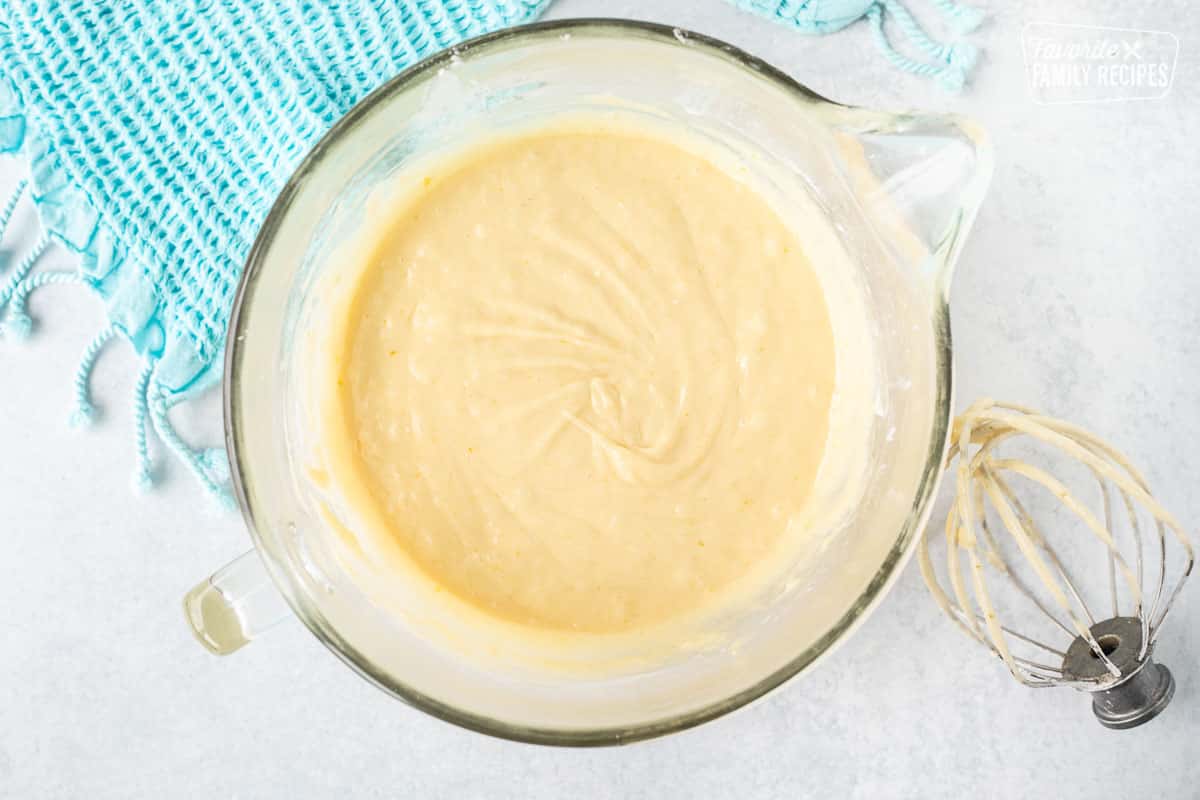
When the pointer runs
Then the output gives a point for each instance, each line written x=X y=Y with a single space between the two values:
x=585 y=379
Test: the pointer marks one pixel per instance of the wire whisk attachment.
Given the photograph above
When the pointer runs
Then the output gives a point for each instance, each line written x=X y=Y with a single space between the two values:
x=1022 y=543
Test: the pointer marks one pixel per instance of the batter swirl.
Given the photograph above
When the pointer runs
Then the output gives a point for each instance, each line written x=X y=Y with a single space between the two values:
x=586 y=378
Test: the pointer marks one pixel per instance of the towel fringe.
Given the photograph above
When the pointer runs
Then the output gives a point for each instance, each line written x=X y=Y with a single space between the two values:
x=150 y=401
x=952 y=63
x=143 y=476
x=19 y=323
x=23 y=269
x=202 y=462
x=10 y=205
x=85 y=412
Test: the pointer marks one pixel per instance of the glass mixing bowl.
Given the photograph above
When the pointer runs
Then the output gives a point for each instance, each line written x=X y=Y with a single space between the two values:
x=899 y=190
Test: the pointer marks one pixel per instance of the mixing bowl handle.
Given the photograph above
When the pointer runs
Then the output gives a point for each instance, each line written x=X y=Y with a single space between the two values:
x=236 y=604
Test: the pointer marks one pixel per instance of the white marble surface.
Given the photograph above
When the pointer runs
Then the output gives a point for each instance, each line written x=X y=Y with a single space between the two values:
x=1077 y=293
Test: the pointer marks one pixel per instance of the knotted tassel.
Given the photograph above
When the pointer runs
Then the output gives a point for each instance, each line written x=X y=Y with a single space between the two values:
x=952 y=62
x=19 y=323
x=85 y=412
x=212 y=471
x=11 y=205
x=143 y=479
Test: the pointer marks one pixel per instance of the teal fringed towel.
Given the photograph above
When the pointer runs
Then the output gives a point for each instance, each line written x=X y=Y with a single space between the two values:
x=158 y=133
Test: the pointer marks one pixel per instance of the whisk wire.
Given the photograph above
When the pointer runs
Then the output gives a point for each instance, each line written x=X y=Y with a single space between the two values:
x=1136 y=486
x=1106 y=502
x=1033 y=556
x=1036 y=534
x=1064 y=495
x=1010 y=573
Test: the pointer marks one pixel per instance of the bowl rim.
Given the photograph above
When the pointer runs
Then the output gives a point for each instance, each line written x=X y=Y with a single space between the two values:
x=876 y=588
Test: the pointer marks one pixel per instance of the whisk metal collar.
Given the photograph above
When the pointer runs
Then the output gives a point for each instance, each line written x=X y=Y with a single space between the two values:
x=1144 y=687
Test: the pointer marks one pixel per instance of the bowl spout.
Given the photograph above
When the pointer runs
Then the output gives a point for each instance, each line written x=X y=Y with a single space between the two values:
x=919 y=180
